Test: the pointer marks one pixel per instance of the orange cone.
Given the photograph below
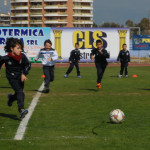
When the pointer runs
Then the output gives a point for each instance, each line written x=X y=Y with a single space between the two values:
x=42 y=76
x=134 y=76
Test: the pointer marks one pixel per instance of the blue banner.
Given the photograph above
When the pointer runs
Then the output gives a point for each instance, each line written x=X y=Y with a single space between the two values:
x=141 y=42
x=33 y=38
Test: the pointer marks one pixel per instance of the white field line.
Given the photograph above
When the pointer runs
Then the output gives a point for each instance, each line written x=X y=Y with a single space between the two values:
x=23 y=124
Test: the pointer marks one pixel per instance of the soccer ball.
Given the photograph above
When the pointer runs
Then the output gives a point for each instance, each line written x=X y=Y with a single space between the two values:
x=116 y=116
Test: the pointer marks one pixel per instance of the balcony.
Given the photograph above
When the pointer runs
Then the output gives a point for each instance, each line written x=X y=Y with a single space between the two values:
x=4 y=25
x=83 y=15
x=36 y=14
x=82 y=7
x=86 y=1
x=36 y=7
x=55 y=7
x=82 y=22
x=56 y=22
x=55 y=14
x=19 y=1
x=19 y=7
x=36 y=22
x=19 y=15
x=19 y=21
x=55 y=0
x=35 y=0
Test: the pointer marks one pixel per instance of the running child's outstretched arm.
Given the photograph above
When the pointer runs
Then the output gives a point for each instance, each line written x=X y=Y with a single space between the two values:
x=37 y=56
x=55 y=56
x=27 y=67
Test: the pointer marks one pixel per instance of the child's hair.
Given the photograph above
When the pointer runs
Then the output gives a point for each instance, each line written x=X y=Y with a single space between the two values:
x=11 y=43
x=76 y=44
x=98 y=41
x=47 y=41
x=124 y=44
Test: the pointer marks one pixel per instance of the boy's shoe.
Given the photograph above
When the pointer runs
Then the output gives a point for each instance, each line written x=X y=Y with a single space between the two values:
x=66 y=75
x=45 y=91
x=9 y=101
x=23 y=113
x=99 y=85
x=79 y=76
x=126 y=76
x=120 y=76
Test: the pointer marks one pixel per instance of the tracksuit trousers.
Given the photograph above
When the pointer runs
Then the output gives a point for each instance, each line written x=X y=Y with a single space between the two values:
x=49 y=75
x=18 y=87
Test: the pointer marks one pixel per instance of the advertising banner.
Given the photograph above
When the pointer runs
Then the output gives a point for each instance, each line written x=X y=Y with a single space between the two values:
x=64 y=39
x=141 y=42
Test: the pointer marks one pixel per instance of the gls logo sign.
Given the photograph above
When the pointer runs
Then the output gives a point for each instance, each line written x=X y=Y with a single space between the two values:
x=87 y=39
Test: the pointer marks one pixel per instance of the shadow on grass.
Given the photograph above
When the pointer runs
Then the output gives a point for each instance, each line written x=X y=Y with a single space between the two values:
x=36 y=91
x=116 y=76
x=144 y=89
x=92 y=90
x=5 y=87
x=10 y=116
x=98 y=126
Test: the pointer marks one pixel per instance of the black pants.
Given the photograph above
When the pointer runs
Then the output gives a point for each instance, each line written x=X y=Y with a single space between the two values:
x=49 y=75
x=72 y=66
x=18 y=87
x=100 y=71
x=124 y=66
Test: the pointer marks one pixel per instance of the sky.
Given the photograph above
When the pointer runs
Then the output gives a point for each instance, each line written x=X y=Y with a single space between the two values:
x=118 y=11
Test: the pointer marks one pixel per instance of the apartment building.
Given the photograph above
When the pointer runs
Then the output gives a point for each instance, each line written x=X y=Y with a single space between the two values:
x=4 y=20
x=52 y=13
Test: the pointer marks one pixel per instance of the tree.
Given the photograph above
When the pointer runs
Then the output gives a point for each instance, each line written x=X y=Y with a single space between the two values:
x=95 y=25
x=129 y=23
x=144 y=25
x=111 y=25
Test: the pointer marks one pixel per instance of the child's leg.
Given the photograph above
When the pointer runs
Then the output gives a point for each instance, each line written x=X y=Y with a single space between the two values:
x=122 y=68
x=103 y=70
x=52 y=68
x=99 y=72
x=77 y=68
x=46 y=70
x=70 y=68
x=18 y=87
x=126 y=69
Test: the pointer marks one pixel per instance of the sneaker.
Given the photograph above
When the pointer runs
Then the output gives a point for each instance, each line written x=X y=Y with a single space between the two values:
x=23 y=113
x=126 y=76
x=9 y=101
x=45 y=91
x=66 y=75
x=99 y=85
x=79 y=76
x=119 y=76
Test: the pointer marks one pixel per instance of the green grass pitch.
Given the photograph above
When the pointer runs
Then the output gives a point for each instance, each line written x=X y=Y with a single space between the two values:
x=75 y=115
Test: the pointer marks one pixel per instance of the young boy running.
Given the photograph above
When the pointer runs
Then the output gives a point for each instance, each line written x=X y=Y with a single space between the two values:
x=17 y=67
x=49 y=57
x=124 y=57
x=100 y=61
x=74 y=60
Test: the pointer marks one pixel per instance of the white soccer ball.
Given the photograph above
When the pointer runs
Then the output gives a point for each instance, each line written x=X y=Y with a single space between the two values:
x=116 y=116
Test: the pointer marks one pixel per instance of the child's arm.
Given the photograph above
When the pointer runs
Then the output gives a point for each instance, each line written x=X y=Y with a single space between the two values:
x=55 y=56
x=26 y=65
x=106 y=54
x=92 y=54
x=37 y=56
x=129 y=57
x=79 y=56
